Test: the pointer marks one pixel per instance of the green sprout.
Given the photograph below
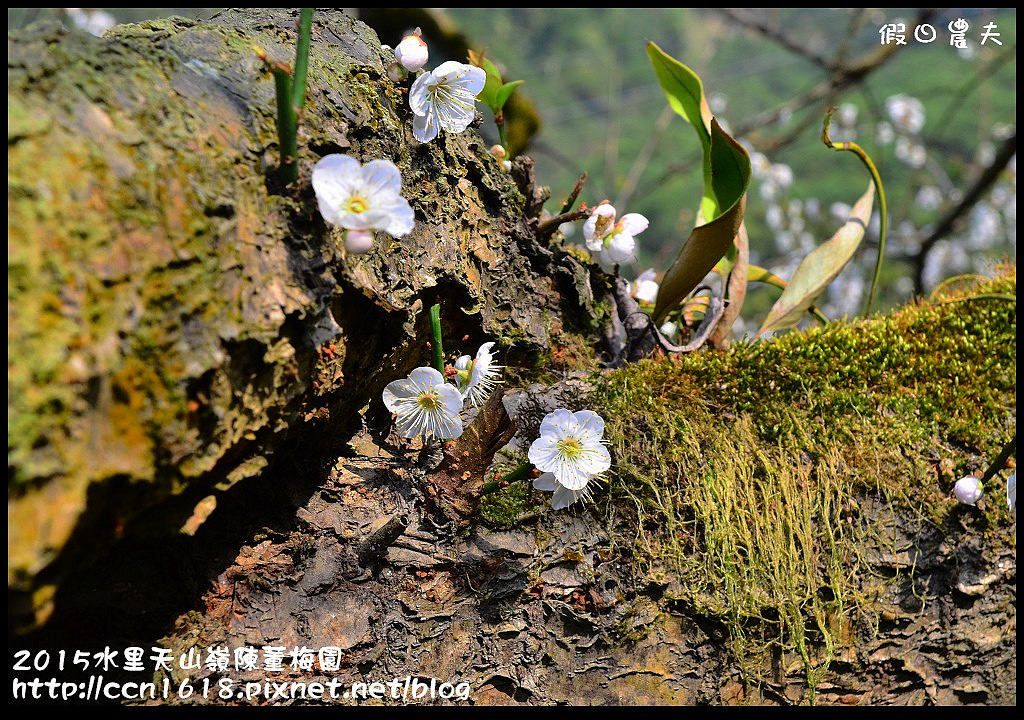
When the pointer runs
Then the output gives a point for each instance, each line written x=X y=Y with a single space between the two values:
x=290 y=89
x=495 y=93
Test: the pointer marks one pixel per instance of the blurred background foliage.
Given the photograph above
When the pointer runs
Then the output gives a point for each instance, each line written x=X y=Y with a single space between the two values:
x=940 y=122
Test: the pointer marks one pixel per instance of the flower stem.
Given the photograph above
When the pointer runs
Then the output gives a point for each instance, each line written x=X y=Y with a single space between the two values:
x=519 y=473
x=302 y=59
x=290 y=92
x=435 y=332
x=883 y=211
x=287 y=124
x=499 y=120
x=999 y=463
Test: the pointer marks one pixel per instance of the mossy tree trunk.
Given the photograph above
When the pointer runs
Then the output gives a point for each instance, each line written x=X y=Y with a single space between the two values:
x=175 y=316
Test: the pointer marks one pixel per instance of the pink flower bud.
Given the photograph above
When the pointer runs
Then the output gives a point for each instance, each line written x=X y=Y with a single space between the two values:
x=968 y=490
x=358 y=242
x=412 y=52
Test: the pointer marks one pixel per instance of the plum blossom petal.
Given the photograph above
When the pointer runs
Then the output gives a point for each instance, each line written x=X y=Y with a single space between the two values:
x=445 y=99
x=477 y=376
x=362 y=197
x=571 y=447
x=424 y=404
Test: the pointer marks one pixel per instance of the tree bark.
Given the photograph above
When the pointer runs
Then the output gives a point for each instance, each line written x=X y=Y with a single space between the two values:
x=175 y=316
x=179 y=323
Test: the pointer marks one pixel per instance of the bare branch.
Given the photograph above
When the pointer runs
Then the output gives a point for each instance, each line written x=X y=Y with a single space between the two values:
x=970 y=199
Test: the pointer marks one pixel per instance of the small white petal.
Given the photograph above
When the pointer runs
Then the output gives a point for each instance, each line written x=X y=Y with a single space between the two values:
x=555 y=422
x=571 y=475
x=381 y=177
x=450 y=398
x=589 y=421
x=397 y=391
x=621 y=248
x=419 y=93
x=426 y=377
x=594 y=461
x=1011 y=491
x=425 y=127
x=564 y=497
x=546 y=482
x=401 y=220
x=633 y=223
x=543 y=453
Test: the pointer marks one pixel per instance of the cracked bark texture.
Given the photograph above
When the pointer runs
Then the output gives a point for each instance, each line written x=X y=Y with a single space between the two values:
x=175 y=316
x=176 y=327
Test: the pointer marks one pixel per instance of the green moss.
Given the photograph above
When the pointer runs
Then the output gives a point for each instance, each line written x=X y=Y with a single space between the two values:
x=742 y=473
x=506 y=507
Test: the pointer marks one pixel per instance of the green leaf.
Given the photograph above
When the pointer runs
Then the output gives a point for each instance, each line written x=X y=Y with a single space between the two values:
x=685 y=93
x=488 y=96
x=505 y=92
x=726 y=171
x=756 y=273
x=707 y=243
x=820 y=268
x=883 y=210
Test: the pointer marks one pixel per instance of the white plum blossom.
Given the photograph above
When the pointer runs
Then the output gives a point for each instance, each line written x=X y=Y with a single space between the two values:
x=906 y=112
x=1011 y=491
x=929 y=198
x=645 y=288
x=847 y=114
x=612 y=242
x=445 y=98
x=477 y=376
x=968 y=490
x=910 y=152
x=563 y=497
x=361 y=198
x=91 y=20
x=570 y=447
x=782 y=174
x=412 y=51
x=424 y=404
x=884 y=133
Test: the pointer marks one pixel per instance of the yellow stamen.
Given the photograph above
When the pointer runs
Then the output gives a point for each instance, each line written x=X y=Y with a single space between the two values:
x=570 y=448
x=428 y=401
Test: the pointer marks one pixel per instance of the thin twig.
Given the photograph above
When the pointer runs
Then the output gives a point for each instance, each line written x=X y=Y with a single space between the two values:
x=776 y=35
x=547 y=227
x=1006 y=153
x=576 y=189
x=1009 y=449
